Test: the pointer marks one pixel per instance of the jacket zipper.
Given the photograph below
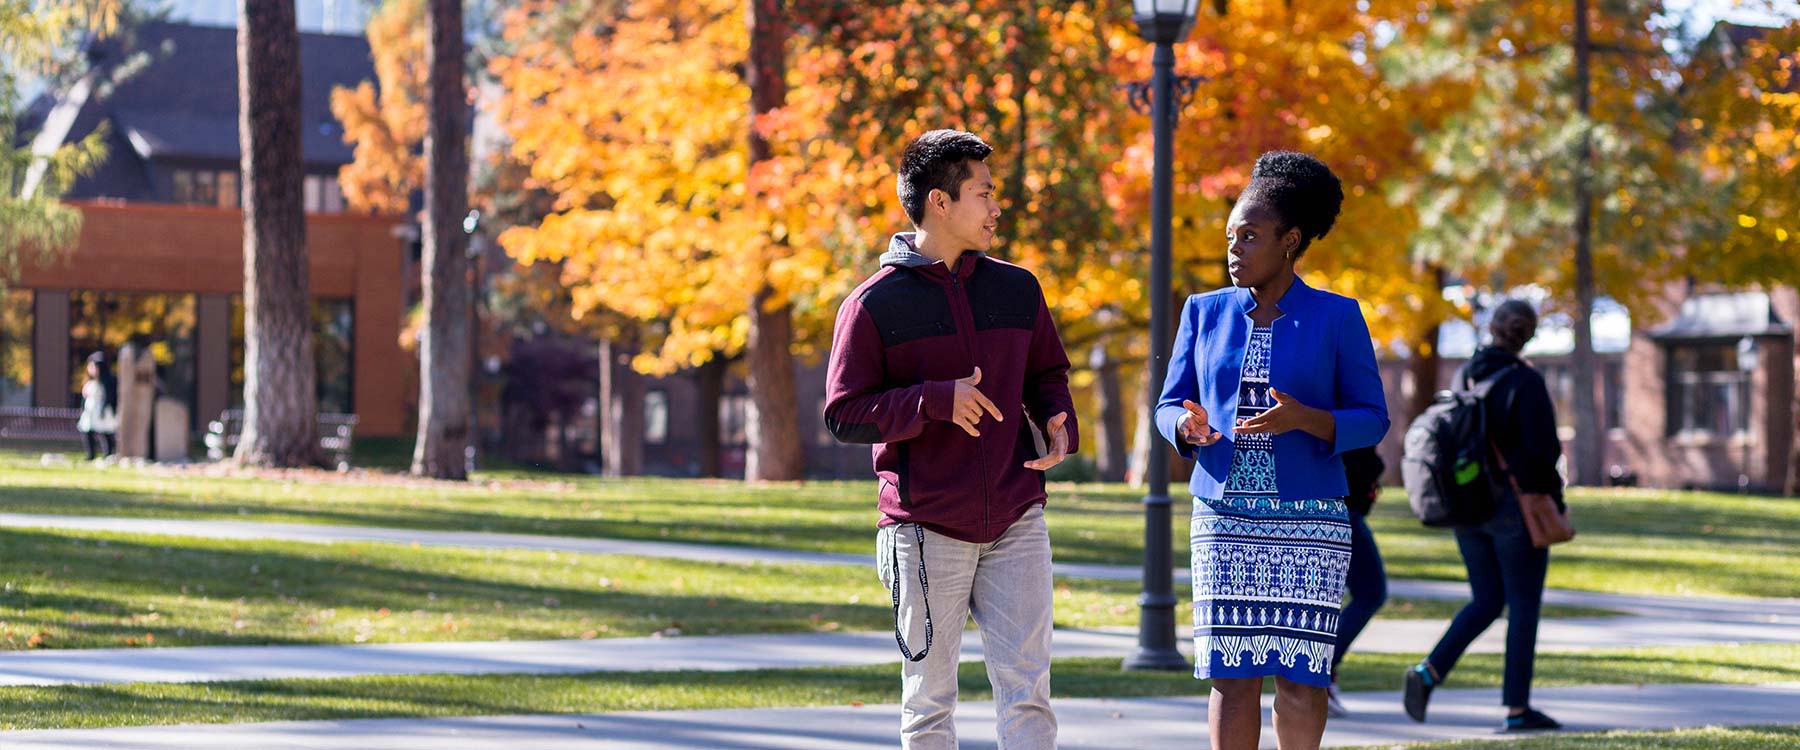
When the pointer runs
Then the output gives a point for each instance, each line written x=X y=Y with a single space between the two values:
x=967 y=334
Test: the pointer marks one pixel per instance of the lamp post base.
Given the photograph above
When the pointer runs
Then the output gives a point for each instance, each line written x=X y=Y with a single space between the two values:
x=1156 y=660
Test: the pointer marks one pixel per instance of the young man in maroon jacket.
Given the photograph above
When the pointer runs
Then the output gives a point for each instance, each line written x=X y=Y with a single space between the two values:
x=939 y=360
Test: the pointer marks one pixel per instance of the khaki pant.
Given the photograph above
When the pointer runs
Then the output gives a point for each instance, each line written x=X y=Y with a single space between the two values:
x=1007 y=586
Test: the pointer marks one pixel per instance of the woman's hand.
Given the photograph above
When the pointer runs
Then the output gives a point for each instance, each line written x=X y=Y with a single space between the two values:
x=1288 y=414
x=1194 y=428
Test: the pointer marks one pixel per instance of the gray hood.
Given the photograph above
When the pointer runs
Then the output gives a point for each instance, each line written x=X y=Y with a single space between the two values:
x=903 y=252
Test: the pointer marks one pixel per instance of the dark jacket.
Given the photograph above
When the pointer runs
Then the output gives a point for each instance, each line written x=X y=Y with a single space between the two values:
x=902 y=340
x=1362 y=471
x=1521 y=420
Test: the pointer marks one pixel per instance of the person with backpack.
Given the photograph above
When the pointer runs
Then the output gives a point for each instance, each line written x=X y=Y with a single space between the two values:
x=1270 y=382
x=1366 y=583
x=1506 y=570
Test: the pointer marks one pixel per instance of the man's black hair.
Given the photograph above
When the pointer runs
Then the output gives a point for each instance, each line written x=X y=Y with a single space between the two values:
x=938 y=160
x=1301 y=189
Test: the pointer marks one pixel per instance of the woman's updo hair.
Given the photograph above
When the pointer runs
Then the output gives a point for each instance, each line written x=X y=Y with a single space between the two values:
x=1301 y=189
x=1513 y=324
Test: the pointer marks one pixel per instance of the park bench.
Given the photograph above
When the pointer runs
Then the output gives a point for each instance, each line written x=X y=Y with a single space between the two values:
x=39 y=424
x=336 y=432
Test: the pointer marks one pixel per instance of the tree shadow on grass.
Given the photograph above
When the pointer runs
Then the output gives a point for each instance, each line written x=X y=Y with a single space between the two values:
x=111 y=581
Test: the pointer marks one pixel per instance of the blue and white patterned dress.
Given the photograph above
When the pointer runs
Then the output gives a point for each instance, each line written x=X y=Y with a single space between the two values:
x=1268 y=573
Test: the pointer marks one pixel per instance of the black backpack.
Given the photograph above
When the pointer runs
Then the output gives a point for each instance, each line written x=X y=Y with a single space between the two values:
x=1446 y=463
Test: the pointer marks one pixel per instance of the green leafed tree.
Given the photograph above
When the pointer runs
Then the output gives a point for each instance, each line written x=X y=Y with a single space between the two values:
x=37 y=38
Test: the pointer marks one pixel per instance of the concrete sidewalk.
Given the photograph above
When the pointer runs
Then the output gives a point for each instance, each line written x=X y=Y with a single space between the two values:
x=735 y=652
x=1093 y=724
x=1691 y=609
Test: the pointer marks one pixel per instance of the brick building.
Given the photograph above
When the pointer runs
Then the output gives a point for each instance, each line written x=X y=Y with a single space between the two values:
x=160 y=255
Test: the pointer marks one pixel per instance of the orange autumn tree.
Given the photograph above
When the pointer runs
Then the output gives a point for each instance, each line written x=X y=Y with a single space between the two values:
x=385 y=119
x=635 y=115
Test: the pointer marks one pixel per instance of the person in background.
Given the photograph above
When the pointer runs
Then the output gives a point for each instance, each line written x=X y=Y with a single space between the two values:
x=1366 y=583
x=99 y=419
x=1506 y=571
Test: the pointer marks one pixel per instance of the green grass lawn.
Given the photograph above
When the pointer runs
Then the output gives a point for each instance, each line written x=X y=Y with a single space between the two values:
x=454 y=695
x=1632 y=541
x=65 y=589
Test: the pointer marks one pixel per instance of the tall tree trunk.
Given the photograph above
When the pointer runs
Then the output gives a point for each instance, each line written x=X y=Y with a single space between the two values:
x=1423 y=368
x=280 y=391
x=771 y=424
x=443 y=441
x=621 y=412
x=1110 y=446
x=1589 y=439
x=709 y=384
x=1426 y=361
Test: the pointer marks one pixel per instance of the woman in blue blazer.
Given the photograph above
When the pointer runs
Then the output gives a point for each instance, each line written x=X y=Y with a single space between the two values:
x=1270 y=382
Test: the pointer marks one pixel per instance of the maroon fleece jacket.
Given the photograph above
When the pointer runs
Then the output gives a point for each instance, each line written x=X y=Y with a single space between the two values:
x=902 y=340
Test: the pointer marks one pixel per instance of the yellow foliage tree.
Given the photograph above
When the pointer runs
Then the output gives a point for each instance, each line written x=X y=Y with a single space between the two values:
x=1743 y=95
x=385 y=119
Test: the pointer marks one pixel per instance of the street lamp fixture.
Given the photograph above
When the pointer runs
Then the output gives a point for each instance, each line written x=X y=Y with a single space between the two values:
x=1163 y=23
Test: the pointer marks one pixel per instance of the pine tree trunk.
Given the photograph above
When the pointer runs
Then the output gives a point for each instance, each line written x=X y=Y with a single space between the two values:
x=709 y=382
x=443 y=440
x=280 y=393
x=1110 y=445
x=1589 y=440
x=771 y=424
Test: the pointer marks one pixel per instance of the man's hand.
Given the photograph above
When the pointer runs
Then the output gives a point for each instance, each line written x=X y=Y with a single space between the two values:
x=1058 y=438
x=1288 y=414
x=1194 y=428
x=970 y=403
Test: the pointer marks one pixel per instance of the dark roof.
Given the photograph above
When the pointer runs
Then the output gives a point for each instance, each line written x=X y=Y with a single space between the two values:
x=1732 y=38
x=182 y=103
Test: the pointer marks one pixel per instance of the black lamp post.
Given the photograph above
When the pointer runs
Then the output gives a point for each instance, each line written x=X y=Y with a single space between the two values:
x=1162 y=23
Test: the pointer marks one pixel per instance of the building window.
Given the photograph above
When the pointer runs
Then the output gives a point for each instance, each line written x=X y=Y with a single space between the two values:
x=734 y=419
x=205 y=187
x=1709 y=393
x=656 y=417
x=16 y=326
x=163 y=324
x=334 y=354
x=1559 y=379
x=323 y=195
